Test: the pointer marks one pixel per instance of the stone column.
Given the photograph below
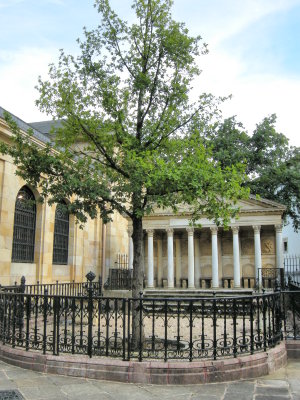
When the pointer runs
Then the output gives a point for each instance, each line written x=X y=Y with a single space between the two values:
x=170 y=258
x=214 y=257
x=257 y=252
x=159 y=260
x=178 y=259
x=279 y=255
x=130 y=249
x=197 y=260
x=236 y=257
x=191 y=265
x=150 y=233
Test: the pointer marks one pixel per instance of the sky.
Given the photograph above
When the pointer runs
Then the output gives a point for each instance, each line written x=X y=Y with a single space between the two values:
x=254 y=52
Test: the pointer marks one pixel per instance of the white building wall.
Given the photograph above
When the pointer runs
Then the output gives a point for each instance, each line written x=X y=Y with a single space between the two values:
x=291 y=238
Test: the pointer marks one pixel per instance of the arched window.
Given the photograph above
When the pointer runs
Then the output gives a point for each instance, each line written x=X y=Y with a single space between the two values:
x=61 y=235
x=24 y=227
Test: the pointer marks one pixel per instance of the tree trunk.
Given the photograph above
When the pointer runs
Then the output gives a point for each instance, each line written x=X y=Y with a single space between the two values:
x=137 y=285
x=138 y=265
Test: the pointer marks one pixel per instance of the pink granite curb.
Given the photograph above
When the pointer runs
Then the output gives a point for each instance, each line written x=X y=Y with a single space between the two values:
x=150 y=372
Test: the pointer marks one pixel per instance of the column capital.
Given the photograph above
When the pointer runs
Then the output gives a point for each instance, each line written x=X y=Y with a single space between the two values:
x=150 y=232
x=278 y=228
x=170 y=231
x=214 y=230
x=235 y=229
x=256 y=228
x=190 y=231
x=130 y=231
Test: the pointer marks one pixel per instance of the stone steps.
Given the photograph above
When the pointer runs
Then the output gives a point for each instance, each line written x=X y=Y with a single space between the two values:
x=166 y=293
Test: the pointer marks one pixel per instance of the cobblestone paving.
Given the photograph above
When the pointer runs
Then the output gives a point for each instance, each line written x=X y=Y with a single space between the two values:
x=281 y=385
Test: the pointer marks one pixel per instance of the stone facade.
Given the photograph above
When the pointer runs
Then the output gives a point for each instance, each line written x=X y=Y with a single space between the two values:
x=181 y=256
x=87 y=251
x=175 y=255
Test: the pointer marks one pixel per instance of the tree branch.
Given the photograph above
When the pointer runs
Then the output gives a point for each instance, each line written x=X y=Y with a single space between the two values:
x=102 y=150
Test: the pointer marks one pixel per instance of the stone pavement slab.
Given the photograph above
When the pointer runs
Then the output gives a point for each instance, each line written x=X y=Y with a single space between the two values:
x=283 y=384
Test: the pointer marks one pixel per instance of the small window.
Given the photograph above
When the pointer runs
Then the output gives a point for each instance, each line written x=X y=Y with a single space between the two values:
x=24 y=227
x=285 y=245
x=61 y=235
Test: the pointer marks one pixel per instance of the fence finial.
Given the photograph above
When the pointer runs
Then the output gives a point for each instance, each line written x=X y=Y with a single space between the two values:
x=90 y=276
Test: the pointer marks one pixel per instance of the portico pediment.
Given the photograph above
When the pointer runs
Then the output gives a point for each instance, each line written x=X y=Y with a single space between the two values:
x=252 y=205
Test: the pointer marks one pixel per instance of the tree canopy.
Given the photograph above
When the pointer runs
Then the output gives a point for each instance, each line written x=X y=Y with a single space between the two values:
x=130 y=138
x=272 y=166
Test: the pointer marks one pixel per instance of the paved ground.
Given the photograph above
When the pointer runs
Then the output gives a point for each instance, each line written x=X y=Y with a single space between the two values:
x=283 y=384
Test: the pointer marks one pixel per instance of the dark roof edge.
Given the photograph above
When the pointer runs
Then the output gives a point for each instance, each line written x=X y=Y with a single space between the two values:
x=24 y=127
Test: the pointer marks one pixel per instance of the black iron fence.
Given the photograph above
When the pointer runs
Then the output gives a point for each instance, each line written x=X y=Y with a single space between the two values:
x=292 y=268
x=119 y=279
x=147 y=328
x=57 y=289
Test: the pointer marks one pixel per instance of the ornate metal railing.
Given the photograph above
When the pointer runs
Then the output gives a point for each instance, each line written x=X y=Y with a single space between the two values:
x=147 y=328
x=269 y=277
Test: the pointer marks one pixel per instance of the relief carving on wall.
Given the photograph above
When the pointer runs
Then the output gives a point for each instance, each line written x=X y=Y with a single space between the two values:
x=267 y=246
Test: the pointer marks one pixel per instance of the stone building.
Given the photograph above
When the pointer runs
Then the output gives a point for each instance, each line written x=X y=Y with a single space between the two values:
x=177 y=255
x=42 y=243
x=46 y=245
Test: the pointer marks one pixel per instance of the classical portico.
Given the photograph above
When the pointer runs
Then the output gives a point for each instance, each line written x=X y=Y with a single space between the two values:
x=177 y=255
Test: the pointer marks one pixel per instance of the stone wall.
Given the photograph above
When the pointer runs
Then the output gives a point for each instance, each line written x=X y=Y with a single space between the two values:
x=85 y=245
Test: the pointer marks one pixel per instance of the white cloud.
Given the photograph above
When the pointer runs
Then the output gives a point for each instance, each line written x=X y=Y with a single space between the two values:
x=218 y=20
x=254 y=96
x=224 y=72
x=19 y=73
x=10 y=3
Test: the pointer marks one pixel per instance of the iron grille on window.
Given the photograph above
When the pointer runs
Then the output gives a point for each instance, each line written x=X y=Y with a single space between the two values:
x=24 y=227
x=61 y=235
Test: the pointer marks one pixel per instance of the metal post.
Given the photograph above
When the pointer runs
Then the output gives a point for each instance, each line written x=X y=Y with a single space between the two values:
x=90 y=277
x=45 y=320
